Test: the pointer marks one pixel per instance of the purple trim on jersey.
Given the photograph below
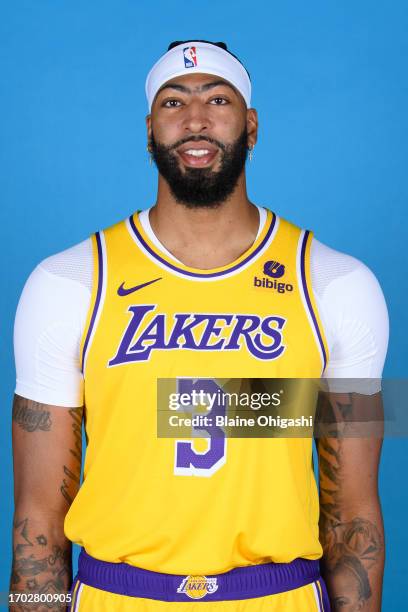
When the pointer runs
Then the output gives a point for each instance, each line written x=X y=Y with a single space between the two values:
x=98 y=298
x=240 y=583
x=202 y=274
x=307 y=296
x=325 y=603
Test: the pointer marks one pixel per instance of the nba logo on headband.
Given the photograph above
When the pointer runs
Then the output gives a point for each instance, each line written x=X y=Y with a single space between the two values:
x=190 y=57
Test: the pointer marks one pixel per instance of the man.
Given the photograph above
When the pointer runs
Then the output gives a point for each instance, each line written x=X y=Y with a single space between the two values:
x=202 y=286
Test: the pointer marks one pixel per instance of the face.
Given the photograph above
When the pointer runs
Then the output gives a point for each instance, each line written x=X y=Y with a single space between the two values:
x=199 y=132
x=347 y=583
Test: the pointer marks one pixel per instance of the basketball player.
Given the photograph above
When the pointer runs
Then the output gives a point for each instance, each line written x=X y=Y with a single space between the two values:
x=188 y=289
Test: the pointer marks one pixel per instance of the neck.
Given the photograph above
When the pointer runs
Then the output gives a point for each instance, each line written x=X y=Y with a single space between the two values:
x=205 y=237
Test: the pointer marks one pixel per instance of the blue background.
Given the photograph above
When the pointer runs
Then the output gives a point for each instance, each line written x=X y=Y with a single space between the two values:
x=330 y=86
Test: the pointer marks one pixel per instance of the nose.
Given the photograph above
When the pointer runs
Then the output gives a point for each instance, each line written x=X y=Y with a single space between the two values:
x=196 y=117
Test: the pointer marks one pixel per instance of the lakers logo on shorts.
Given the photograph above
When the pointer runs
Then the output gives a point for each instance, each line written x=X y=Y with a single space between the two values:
x=197 y=587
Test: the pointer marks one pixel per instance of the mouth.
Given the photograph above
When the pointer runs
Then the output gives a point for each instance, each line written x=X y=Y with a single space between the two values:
x=197 y=154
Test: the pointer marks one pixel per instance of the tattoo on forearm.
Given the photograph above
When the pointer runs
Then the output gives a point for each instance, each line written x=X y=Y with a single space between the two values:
x=71 y=483
x=20 y=527
x=30 y=415
x=76 y=414
x=351 y=547
x=36 y=569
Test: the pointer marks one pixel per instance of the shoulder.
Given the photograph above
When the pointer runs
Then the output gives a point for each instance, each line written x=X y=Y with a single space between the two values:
x=344 y=275
x=59 y=286
x=74 y=264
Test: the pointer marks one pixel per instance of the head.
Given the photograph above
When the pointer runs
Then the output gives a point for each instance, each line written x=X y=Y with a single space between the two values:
x=352 y=582
x=200 y=125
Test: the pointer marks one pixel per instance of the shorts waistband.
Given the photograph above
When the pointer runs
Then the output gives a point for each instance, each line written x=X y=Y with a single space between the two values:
x=239 y=583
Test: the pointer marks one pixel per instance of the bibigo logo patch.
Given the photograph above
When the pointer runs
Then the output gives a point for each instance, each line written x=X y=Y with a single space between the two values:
x=274 y=269
x=197 y=587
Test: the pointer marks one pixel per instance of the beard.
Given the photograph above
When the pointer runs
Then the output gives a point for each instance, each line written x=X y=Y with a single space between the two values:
x=202 y=187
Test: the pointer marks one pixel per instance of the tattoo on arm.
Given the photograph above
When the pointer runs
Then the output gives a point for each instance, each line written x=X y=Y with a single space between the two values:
x=70 y=484
x=41 y=564
x=352 y=545
x=31 y=416
x=47 y=464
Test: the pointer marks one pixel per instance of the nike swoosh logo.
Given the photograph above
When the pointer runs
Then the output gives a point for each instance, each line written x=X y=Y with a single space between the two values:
x=122 y=291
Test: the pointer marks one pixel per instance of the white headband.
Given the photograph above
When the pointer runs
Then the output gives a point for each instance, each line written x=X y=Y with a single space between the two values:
x=202 y=58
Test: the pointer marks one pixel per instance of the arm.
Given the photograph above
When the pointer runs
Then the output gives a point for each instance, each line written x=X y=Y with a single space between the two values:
x=47 y=438
x=47 y=453
x=351 y=526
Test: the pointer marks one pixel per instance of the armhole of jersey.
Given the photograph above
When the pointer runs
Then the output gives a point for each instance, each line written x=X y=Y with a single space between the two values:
x=97 y=297
x=305 y=281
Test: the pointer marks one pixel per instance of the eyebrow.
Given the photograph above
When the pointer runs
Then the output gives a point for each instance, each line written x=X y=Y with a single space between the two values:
x=187 y=90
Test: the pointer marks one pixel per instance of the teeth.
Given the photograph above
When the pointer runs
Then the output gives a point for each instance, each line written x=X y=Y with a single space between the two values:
x=197 y=152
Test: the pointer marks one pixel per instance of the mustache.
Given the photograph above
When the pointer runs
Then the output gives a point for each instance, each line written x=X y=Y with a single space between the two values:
x=212 y=141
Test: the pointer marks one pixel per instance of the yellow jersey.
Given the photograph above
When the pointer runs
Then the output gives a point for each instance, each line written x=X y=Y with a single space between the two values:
x=194 y=506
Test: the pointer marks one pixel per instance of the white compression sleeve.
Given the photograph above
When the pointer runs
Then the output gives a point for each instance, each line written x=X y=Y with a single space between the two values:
x=354 y=315
x=50 y=317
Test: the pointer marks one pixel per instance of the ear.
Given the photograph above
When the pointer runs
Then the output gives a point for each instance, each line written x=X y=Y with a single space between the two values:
x=252 y=126
x=149 y=127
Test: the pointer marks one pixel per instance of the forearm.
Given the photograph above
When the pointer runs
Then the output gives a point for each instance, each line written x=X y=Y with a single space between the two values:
x=351 y=526
x=353 y=555
x=42 y=560
x=47 y=466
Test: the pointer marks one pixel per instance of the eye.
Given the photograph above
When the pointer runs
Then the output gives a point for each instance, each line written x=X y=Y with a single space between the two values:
x=219 y=101
x=342 y=601
x=173 y=103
